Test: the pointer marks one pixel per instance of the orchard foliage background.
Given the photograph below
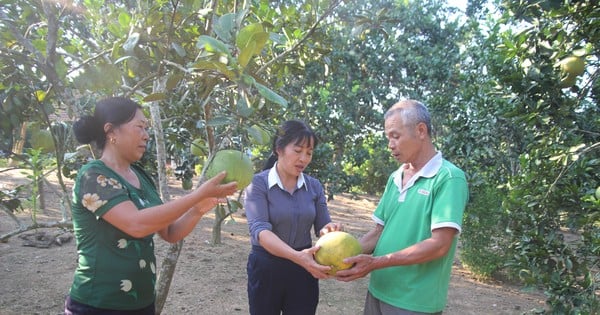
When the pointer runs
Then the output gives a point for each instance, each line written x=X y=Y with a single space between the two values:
x=224 y=72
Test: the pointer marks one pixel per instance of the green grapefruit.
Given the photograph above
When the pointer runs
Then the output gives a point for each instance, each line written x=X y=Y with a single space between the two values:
x=573 y=65
x=334 y=248
x=568 y=81
x=42 y=139
x=187 y=184
x=237 y=164
x=598 y=193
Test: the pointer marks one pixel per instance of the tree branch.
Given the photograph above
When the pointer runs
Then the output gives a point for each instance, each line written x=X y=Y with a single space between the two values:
x=24 y=228
x=306 y=36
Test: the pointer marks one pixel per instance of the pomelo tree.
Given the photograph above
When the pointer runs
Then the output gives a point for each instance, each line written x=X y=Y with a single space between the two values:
x=228 y=72
x=35 y=62
x=215 y=65
x=551 y=194
x=206 y=69
x=538 y=175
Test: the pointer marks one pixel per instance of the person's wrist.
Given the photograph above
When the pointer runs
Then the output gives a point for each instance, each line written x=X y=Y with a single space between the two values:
x=200 y=193
x=198 y=210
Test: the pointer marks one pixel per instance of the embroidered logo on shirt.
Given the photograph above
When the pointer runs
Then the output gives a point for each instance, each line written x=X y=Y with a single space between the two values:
x=424 y=192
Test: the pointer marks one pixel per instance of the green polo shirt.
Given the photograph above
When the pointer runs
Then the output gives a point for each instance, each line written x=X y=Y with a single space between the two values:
x=435 y=198
x=115 y=270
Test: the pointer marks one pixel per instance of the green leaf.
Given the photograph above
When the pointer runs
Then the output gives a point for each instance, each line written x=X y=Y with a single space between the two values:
x=216 y=65
x=255 y=134
x=251 y=40
x=234 y=205
x=40 y=95
x=39 y=44
x=173 y=80
x=224 y=26
x=270 y=95
x=155 y=97
x=246 y=54
x=212 y=44
x=219 y=121
x=243 y=109
x=124 y=19
x=114 y=29
x=248 y=79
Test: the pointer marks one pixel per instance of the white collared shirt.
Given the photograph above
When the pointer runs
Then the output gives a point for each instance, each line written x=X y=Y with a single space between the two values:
x=429 y=170
x=274 y=179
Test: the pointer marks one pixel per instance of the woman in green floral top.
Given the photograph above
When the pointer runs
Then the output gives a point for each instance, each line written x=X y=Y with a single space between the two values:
x=116 y=211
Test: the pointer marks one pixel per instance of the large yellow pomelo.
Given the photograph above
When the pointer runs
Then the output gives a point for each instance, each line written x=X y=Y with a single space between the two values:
x=334 y=248
x=237 y=164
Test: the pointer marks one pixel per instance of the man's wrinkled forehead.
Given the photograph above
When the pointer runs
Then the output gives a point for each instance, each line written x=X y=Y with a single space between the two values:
x=393 y=121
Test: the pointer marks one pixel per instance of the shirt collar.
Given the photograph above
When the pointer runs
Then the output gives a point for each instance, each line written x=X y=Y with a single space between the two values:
x=274 y=179
x=429 y=170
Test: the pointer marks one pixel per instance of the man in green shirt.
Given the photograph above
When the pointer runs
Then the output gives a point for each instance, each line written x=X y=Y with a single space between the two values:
x=409 y=252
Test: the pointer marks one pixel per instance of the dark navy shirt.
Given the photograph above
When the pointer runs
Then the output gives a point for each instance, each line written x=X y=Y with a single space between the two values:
x=290 y=216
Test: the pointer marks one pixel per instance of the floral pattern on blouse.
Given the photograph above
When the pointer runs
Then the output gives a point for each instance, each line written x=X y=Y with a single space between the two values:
x=105 y=181
x=122 y=243
x=126 y=284
x=92 y=202
x=97 y=190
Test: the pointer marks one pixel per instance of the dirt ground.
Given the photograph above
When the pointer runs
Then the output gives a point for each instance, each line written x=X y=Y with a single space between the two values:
x=211 y=279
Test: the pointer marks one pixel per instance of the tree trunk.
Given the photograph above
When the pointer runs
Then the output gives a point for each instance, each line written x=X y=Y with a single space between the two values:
x=167 y=269
x=18 y=145
x=41 y=197
x=216 y=230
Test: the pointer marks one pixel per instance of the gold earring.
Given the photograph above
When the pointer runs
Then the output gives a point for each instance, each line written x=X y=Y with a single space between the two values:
x=113 y=140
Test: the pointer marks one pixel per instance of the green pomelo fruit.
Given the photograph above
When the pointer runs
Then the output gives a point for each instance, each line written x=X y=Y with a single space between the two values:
x=598 y=193
x=334 y=248
x=42 y=139
x=187 y=184
x=573 y=65
x=237 y=164
x=568 y=81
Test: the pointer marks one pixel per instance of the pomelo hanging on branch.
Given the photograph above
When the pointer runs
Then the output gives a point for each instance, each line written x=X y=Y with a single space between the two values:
x=237 y=164
x=334 y=248
x=568 y=81
x=573 y=65
x=42 y=139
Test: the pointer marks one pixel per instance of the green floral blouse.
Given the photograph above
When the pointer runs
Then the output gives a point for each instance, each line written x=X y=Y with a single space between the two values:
x=115 y=270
